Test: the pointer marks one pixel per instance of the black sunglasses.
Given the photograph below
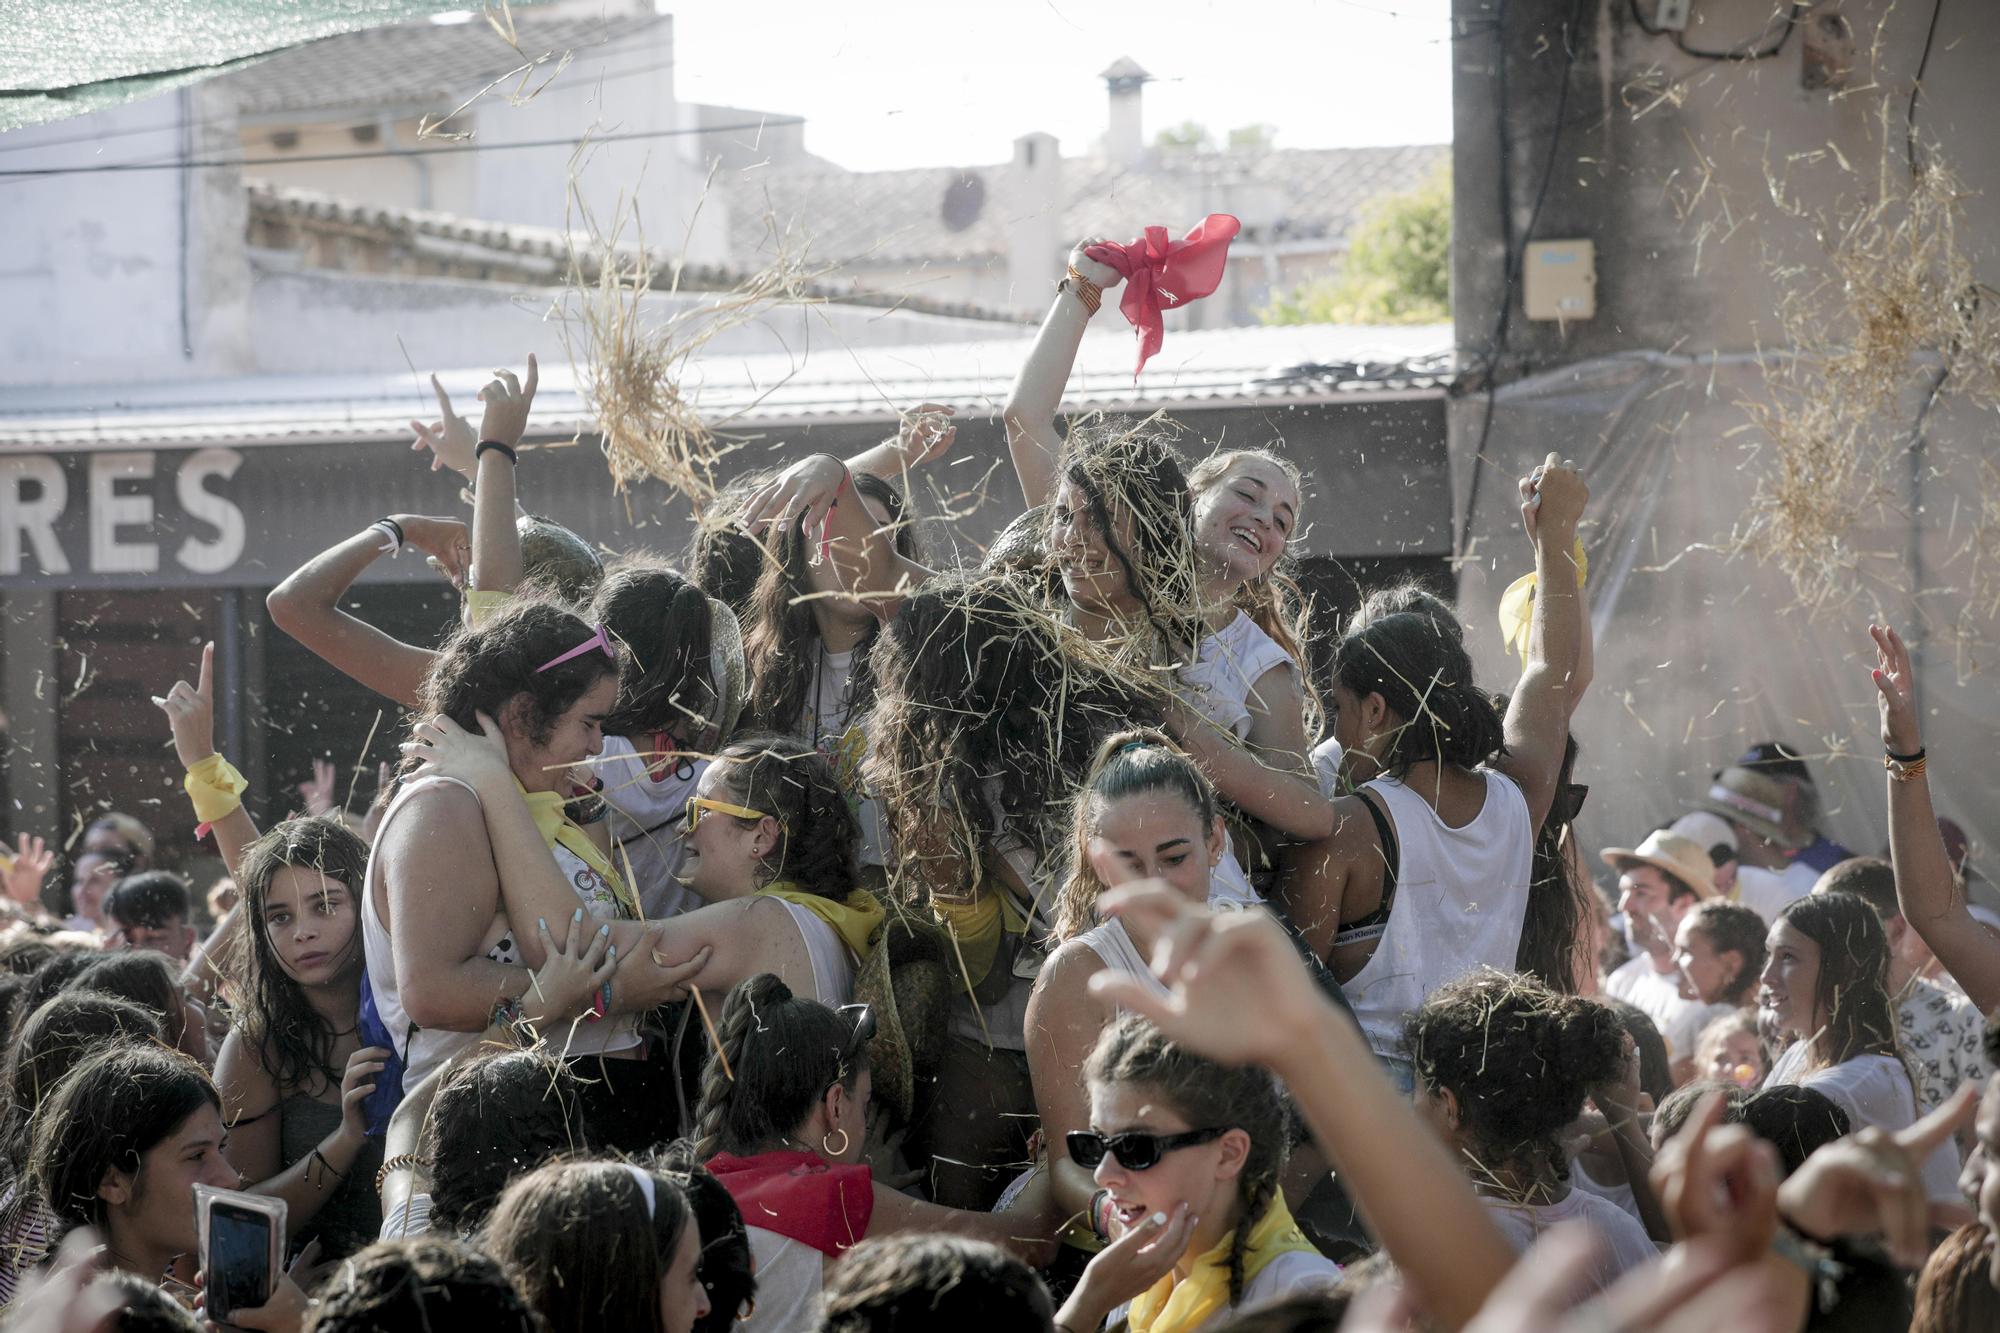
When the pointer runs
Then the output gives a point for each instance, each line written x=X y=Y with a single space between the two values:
x=1573 y=797
x=861 y=1019
x=1135 y=1149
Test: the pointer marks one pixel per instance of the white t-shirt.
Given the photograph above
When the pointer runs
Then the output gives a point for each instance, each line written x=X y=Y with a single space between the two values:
x=1227 y=666
x=1326 y=758
x=1658 y=995
x=1767 y=891
x=1873 y=1090
x=648 y=796
x=1620 y=1194
x=1625 y=1243
x=829 y=722
x=790 y=1274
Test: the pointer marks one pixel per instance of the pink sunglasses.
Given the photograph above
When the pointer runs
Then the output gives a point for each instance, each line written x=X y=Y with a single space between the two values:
x=600 y=639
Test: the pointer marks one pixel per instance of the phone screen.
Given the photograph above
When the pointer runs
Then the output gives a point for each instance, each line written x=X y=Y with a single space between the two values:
x=239 y=1258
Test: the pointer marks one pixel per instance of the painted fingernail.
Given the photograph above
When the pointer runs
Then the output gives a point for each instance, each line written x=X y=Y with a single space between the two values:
x=614 y=953
x=1158 y=1219
x=576 y=916
x=604 y=930
x=542 y=921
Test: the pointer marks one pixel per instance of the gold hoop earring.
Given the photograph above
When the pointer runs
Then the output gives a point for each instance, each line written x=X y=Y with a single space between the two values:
x=828 y=1149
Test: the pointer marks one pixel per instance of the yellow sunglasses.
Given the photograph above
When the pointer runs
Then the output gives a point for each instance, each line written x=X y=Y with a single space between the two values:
x=697 y=804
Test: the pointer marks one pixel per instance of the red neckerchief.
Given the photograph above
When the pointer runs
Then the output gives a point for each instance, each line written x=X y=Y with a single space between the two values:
x=1159 y=272
x=801 y=1195
x=663 y=751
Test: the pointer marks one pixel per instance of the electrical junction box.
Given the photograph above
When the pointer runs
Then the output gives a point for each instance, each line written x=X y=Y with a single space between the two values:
x=1559 y=280
x=1673 y=14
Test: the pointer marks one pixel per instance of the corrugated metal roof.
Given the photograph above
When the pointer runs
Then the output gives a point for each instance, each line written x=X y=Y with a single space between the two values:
x=1205 y=368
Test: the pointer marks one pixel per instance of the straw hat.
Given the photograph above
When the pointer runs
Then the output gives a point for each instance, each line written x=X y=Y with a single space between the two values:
x=1683 y=858
x=1755 y=800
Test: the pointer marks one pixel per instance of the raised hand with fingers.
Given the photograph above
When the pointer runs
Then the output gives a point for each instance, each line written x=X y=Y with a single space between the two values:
x=449 y=438
x=1719 y=1181
x=508 y=401
x=803 y=492
x=190 y=711
x=572 y=976
x=925 y=431
x=445 y=749
x=1895 y=685
x=317 y=791
x=28 y=865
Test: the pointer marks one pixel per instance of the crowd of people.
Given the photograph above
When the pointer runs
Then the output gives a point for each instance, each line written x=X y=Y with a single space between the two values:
x=805 y=937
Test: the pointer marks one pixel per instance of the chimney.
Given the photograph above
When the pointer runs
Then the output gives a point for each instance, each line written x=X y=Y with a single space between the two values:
x=1034 y=204
x=1125 y=132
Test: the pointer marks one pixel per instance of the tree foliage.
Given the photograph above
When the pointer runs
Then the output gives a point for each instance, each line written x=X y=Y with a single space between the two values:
x=1397 y=271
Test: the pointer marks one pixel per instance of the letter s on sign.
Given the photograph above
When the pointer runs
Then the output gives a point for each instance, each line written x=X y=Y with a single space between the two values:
x=219 y=512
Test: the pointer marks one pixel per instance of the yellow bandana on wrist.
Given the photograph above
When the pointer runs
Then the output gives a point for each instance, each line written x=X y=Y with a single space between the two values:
x=855 y=919
x=1517 y=604
x=216 y=789
x=1181 y=1307
x=555 y=827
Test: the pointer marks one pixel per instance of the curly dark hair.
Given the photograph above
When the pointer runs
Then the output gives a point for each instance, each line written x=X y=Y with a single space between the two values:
x=1416 y=660
x=483 y=669
x=421 y=1285
x=587 y=1245
x=777 y=1054
x=496 y=1116
x=986 y=709
x=911 y=1283
x=819 y=838
x=1519 y=1058
x=271 y=1009
x=781 y=643
x=1203 y=1093
x=662 y=620
x=145 y=977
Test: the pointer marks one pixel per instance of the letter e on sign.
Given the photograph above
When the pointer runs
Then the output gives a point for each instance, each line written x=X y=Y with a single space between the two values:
x=110 y=511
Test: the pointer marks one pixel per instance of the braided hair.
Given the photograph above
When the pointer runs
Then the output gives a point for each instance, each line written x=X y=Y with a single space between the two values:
x=1202 y=1092
x=819 y=838
x=784 y=1052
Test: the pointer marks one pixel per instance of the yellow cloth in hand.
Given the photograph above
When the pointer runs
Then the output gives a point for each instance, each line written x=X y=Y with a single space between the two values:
x=1517 y=604
x=855 y=918
x=1180 y=1307
x=215 y=787
x=552 y=821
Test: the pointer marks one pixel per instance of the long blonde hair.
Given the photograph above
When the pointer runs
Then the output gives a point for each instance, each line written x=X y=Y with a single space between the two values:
x=1128 y=763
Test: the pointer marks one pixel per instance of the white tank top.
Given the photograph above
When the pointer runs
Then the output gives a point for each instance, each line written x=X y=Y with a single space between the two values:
x=1115 y=949
x=790 y=1274
x=832 y=965
x=1227 y=666
x=424 y=1049
x=1461 y=895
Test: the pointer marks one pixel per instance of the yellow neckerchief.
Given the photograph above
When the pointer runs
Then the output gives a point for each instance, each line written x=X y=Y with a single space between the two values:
x=1517 y=604
x=976 y=927
x=555 y=827
x=1180 y=1307
x=855 y=919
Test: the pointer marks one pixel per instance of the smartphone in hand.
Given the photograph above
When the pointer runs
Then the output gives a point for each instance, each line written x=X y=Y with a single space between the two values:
x=242 y=1248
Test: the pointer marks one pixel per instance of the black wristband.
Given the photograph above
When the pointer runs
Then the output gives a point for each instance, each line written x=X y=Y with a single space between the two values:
x=395 y=528
x=479 y=451
x=1903 y=758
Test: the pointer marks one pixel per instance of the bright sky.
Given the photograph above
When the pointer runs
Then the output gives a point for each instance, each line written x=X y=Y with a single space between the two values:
x=908 y=83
